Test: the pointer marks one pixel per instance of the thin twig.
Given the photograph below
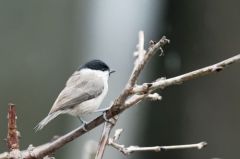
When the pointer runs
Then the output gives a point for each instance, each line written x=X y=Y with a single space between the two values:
x=105 y=135
x=163 y=82
x=131 y=149
x=127 y=150
x=117 y=134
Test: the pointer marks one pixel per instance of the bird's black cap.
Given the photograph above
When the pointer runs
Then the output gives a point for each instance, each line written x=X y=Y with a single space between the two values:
x=95 y=65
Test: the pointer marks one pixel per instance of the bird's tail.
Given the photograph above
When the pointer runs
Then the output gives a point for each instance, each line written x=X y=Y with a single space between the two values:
x=46 y=120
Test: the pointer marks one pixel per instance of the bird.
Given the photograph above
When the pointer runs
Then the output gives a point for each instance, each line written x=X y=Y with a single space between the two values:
x=83 y=93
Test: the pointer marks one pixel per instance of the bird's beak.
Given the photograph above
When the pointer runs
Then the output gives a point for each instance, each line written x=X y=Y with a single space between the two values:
x=112 y=71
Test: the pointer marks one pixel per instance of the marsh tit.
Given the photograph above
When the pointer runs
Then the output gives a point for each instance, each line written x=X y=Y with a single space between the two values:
x=83 y=93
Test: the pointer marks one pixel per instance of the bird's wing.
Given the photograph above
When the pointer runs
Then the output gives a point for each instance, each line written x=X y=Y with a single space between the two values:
x=77 y=91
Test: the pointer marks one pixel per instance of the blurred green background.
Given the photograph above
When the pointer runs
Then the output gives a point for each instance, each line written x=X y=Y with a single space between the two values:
x=43 y=42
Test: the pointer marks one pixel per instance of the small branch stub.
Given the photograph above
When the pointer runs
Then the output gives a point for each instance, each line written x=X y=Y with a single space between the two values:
x=12 y=135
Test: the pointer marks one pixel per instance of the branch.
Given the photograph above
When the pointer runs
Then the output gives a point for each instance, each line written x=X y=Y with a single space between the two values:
x=130 y=96
x=12 y=136
x=141 y=60
x=105 y=135
x=131 y=149
x=163 y=83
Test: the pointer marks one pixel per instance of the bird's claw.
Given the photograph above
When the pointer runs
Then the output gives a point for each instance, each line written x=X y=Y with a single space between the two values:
x=84 y=126
x=105 y=117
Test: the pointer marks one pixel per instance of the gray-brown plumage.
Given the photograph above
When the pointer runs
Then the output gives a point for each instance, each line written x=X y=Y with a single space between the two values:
x=78 y=90
x=83 y=93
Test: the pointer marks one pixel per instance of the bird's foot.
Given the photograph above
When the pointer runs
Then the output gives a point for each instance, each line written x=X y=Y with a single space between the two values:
x=104 y=110
x=84 y=123
x=105 y=117
x=84 y=126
